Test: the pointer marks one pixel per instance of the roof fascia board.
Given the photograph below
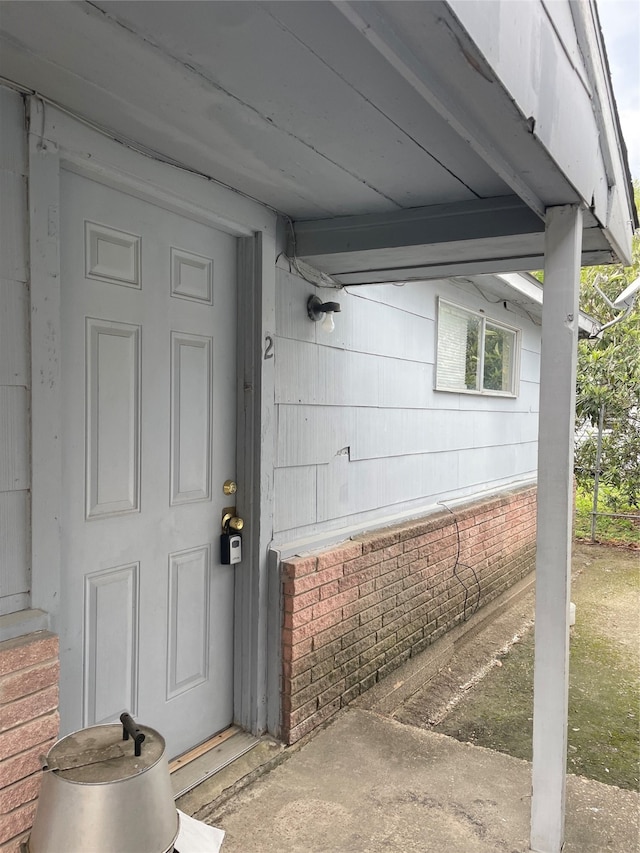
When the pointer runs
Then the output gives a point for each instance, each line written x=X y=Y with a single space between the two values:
x=535 y=60
x=566 y=92
x=455 y=63
x=426 y=271
x=621 y=206
x=481 y=235
x=369 y=19
x=420 y=226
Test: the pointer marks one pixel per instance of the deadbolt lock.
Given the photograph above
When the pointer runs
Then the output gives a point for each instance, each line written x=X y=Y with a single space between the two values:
x=229 y=487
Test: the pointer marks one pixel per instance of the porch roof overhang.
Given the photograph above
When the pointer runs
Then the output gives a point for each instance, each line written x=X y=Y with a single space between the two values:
x=403 y=140
x=524 y=291
x=480 y=236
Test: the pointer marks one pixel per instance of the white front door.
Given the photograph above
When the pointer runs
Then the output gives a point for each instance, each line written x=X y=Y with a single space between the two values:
x=149 y=384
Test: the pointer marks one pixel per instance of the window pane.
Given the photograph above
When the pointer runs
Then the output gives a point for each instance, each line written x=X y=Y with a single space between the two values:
x=458 y=335
x=499 y=346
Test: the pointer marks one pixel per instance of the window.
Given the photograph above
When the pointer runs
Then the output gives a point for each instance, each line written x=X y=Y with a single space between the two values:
x=475 y=354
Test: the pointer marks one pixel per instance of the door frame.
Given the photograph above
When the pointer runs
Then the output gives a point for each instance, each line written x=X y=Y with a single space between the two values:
x=57 y=140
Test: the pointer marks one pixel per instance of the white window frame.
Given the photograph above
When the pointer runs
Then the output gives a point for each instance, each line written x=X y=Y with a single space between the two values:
x=483 y=320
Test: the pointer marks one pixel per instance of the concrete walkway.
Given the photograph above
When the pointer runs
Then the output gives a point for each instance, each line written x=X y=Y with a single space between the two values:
x=367 y=784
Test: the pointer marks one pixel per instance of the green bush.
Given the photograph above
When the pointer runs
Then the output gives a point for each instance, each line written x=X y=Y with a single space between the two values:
x=613 y=531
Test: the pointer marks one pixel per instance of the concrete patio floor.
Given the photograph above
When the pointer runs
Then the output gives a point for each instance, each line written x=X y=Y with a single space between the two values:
x=367 y=783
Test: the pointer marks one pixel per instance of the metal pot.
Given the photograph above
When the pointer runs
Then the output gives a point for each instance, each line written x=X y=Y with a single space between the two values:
x=102 y=792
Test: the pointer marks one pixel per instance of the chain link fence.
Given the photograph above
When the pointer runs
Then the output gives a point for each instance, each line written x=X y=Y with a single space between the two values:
x=593 y=444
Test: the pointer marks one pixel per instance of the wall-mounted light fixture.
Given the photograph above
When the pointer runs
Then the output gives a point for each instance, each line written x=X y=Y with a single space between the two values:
x=322 y=311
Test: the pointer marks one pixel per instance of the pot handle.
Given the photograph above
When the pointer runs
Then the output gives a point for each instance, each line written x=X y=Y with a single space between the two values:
x=129 y=728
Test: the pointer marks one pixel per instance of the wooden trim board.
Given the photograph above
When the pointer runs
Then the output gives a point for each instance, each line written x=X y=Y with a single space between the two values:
x=202 y=748
x=219 y=752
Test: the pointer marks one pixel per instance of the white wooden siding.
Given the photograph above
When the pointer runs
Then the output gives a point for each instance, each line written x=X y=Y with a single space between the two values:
x=362 y=436
x=14 y=360
x=14 y=446
x=295 y=502
x=14 y=322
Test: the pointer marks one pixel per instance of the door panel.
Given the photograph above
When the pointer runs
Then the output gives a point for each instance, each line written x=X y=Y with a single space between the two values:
x=148 y=383
x=190 y=418
x=112 y=417
x=111 y=641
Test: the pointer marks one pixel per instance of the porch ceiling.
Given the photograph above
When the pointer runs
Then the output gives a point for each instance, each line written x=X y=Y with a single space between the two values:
x=298 y=106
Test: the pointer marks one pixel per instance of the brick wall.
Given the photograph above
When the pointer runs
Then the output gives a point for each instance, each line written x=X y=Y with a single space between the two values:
x=354 y=613
x=29 y=672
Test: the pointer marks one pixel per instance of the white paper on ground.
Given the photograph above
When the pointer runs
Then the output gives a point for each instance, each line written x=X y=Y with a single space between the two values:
x=197 y=837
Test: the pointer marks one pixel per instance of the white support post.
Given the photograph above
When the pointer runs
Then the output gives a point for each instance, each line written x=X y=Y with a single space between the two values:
x=563 y=240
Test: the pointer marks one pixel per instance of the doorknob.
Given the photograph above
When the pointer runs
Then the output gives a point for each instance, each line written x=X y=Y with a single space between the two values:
x=230 y=521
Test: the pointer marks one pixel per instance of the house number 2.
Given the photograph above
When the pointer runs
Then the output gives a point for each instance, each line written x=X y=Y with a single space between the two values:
x=268 y=350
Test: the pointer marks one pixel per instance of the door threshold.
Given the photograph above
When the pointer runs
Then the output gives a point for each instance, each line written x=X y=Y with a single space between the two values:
x=201 y=762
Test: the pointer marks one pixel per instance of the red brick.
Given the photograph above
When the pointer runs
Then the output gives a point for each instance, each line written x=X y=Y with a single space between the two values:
x=17 y=684
x=416 y=566
x=355 y=649
x=316 y=626
x=413 y=528
x=370 y=667
x=336 y=602
x=414 y=598
x=363 y=562
x=364 y=603
x=414 y=632
x=358 y=579
x=14 y=846
x=392 y=551
x=347 y=697
x=297 y=714
x=392 y=589
x=366 y=588
x=340 y=555
x=329 y=589
x=388 y=567
x=24 y=764
x=386 y=631
x=25 y=736
x=297 y=619
x=18 y=821
x=28 y=708
x=27 y=651
x=422 y=595
x=393 y=663
x=297 y=567
x=298 y=601
x=293 y=653
x=294 y=733
x=300 y=682
x=333 y=692
x=327 y=652
x=377 y=610
x=359 y=633
x=397 y=618
x=316 y=579
x=16 y=795
x=377 y=541
x=334 y=632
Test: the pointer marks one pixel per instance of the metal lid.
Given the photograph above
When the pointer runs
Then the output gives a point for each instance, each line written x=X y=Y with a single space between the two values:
x=99 y=755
